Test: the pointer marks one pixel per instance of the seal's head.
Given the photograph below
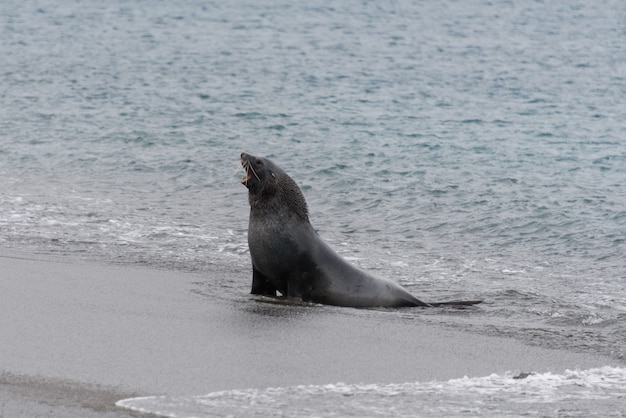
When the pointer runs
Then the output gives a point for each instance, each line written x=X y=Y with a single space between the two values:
x=268 y=182
x=259 y=172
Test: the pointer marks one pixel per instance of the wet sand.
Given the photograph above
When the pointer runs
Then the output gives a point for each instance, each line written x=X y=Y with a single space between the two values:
x=78 y=336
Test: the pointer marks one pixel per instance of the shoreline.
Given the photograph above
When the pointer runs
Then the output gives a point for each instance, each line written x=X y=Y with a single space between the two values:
x=79 y=336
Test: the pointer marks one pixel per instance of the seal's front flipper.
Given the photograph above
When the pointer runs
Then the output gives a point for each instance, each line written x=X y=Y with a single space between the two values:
x=261 y=285
x=456 y=303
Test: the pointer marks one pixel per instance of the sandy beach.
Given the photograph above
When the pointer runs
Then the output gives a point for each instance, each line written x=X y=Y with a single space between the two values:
x=77 y=336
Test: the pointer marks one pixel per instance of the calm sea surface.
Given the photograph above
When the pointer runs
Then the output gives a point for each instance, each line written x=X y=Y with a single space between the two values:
x=467 y=149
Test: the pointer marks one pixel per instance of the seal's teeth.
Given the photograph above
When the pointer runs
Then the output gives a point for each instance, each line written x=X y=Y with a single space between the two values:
x=248 y=175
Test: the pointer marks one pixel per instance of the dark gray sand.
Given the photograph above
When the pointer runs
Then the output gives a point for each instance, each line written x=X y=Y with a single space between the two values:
x=78 y=336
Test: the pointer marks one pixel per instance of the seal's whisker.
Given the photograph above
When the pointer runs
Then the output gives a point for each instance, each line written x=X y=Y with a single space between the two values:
x=237 y=168
x=253 y=172
x=243 y=163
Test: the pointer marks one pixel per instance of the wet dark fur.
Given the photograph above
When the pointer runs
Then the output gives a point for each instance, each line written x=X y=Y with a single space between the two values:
x=280 y=189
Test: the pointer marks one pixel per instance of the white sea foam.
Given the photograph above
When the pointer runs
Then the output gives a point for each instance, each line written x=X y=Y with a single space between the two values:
x=592 y=392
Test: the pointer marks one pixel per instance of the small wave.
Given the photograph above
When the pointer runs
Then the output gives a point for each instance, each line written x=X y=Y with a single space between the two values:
x=598 y=391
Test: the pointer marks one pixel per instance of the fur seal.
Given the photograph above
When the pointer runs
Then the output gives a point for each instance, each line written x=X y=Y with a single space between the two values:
x=288 y=255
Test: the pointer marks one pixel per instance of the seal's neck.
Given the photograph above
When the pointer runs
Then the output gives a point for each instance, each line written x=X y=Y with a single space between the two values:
x=278 y=196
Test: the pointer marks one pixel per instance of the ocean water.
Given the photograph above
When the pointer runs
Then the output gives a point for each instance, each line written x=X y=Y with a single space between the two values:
x=467 y=149
x=594 y=392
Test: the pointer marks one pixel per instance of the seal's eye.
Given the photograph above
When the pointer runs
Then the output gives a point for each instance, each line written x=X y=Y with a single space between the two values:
x=259 y=162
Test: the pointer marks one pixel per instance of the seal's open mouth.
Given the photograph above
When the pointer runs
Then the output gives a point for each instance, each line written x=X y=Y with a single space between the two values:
x=249 y=171
x=246 y=166
x=248 y=177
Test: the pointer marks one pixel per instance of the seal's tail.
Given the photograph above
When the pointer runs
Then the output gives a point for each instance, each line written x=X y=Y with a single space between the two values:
x=456 y=303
